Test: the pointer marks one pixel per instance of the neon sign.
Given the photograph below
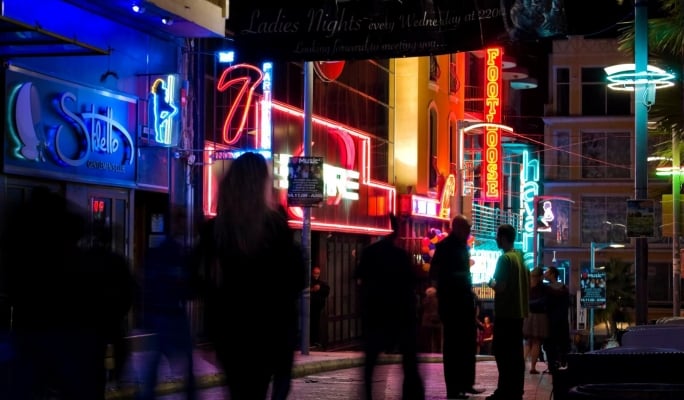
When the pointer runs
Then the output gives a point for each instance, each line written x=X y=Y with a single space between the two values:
x=68 y=144
x=447 y=193
x=492 y=182
x=243 y=100
x=529 y=189
x=265 y=130
x=164 y=109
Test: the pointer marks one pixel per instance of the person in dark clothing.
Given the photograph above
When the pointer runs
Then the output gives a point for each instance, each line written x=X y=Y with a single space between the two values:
x=389 y=311
x=511 y=306
x=167 y=290
x=450 y=274
x=319 y=294
x=65 y=299
x=251 y=321
x=557 y=344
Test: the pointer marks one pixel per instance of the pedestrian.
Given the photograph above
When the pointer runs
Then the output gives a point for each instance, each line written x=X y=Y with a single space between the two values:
x=65 y=299
x=557 y=344
x=431 y=325
x=536 y=324
x=251 y=319
x=450 y=274
x=319 y=290
x=167 y=291
x=511 y=306
x=388 y=288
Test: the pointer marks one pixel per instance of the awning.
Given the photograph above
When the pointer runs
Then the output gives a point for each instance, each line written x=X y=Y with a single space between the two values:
x=18 y=39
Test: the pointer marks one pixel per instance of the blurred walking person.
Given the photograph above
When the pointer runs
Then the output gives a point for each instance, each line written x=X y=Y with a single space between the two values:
x=450 y=274
x=251 y=320
x=511 y=306
x=388 y=303
x=167 y=291
x=64 y=298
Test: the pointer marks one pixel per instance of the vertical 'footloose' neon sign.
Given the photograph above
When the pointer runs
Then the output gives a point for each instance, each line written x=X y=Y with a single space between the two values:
x=492 y=182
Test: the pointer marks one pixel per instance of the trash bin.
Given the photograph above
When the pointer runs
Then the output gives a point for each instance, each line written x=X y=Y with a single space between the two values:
x=627 y=391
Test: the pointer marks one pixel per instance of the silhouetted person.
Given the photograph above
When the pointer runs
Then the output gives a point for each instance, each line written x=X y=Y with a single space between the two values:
x=319 y=294
x=255 y=334
x=167 y=290
x=511 y=306
x=450 y=274
x=61 y=299
x=557 y=344
x=388 y=310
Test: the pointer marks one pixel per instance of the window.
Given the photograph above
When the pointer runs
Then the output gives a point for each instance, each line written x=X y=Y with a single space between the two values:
x=454 y=83
x=432 y=132
x=606 y=155
x=453 y=131
x=598 y=99
x=604 y=219
x=562 y=91
x=434 y=69
x=561 y=141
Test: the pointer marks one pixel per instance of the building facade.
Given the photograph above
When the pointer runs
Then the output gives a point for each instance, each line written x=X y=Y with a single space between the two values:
x=589 y=158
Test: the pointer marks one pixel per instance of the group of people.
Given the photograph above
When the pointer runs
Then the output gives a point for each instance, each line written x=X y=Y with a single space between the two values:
x=62 y=287
x=546 y=327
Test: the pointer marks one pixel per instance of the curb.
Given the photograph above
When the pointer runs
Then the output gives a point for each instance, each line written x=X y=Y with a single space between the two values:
x=128 y=391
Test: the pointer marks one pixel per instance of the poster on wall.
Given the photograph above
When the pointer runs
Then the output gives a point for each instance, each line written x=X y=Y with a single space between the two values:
x=593 y=289
x=305 y=181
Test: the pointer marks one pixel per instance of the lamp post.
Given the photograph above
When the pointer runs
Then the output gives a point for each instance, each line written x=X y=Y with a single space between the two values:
x=594 y=247
x=643 y=79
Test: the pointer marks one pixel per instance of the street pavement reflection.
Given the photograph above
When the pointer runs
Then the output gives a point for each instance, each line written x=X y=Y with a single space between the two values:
x=347 y=384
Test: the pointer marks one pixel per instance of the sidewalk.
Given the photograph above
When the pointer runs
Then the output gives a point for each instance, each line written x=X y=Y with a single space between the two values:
x=316 y=362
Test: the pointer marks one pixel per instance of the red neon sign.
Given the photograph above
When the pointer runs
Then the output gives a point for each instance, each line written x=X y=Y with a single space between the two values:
x=492 y=176
x=246 y=86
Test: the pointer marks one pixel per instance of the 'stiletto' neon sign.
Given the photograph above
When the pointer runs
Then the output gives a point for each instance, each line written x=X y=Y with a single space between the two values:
x=529 y=189
x=492 y=141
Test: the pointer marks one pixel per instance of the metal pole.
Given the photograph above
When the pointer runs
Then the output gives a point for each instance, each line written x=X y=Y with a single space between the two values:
x=592 y=266
x=676 y=273
x=535 y=234
x=306 y=224
x=640 y=153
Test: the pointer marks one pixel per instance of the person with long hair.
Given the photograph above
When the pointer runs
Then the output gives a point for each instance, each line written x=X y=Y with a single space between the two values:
x=259 y=274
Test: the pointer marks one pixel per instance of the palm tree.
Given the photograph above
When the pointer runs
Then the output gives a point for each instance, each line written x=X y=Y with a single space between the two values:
x=619 y=296
x=665 y=42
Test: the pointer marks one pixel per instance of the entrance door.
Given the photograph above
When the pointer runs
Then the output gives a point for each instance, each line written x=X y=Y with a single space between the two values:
x=109 y=218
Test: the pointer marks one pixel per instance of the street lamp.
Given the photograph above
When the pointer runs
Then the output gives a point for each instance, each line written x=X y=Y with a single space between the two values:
x=594 y=247
x=644 y=81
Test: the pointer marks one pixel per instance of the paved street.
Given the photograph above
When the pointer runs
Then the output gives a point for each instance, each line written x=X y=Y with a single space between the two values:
x=347 y=384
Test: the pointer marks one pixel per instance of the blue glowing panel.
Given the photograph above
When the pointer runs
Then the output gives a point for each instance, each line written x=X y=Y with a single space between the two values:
x=68 y=131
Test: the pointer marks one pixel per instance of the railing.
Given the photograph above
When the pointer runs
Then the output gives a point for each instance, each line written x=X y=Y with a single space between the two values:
x=486 y=220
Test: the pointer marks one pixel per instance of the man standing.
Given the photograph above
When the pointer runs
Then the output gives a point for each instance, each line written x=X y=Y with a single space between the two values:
x=511 y=297
x=319 y=293
x=450 y=273
x=557 y=344
x=388 y=303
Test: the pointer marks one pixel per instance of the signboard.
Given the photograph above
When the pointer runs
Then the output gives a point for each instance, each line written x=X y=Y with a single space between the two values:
x=64 y=130
x=593 y=289
x=362 y=29
x=305 y=181
x=640 y=218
